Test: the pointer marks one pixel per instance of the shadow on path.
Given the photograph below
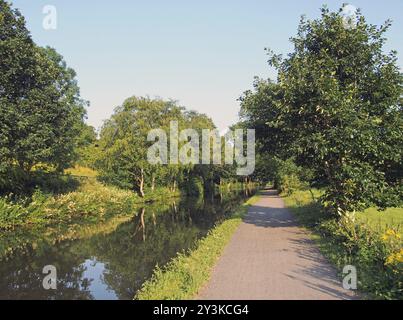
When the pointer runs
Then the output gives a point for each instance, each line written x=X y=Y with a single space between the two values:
x=271 y=257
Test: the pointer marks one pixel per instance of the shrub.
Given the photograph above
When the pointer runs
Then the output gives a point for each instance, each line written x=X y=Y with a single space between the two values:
x=93 y=200
x=289 y=177
x=193 y=186
x=11 y=214
x=97 y=200
x=377 y=256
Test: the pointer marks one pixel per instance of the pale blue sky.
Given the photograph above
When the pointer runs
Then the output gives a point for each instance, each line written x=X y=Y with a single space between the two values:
x=202 y=53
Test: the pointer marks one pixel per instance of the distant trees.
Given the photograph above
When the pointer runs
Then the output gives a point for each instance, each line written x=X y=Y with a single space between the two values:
x=41 y=111
x=336 y=108
x=123 y=142
x=87 y=146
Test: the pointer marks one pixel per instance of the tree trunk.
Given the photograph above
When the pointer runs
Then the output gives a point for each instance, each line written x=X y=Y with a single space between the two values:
x=153 y=183
x=175 y=208
x=141 y=184
x=143 y=225
x=154 y=219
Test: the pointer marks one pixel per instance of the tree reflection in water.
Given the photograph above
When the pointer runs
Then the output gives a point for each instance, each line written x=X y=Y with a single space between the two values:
x=114 y=264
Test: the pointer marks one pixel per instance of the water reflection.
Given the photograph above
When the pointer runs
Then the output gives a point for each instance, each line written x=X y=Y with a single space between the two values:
x=114 y=263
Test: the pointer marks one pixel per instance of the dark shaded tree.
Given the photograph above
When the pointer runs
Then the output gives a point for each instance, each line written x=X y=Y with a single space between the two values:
x=41 y=111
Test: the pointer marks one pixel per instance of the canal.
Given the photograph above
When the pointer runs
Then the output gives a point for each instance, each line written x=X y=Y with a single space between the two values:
x=115 y=257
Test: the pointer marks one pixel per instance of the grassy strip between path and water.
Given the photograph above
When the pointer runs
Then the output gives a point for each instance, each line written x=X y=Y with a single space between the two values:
x=371 y=241
x=183 y=277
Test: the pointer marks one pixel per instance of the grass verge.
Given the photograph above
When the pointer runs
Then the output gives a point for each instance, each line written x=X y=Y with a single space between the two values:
x=183 y=277
x=371 y=242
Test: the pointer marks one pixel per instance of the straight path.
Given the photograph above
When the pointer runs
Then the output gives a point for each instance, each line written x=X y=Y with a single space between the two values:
x=271 y=258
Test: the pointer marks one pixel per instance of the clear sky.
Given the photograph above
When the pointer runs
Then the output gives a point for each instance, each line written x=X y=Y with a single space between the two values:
x=202 y=53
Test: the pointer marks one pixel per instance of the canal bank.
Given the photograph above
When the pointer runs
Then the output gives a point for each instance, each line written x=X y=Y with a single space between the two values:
x=113 y=258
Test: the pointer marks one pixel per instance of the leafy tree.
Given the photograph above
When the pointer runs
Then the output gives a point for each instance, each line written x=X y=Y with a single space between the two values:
x=258 y=108
x=206 y=172
x=336 y=108
x=40 y=107
x=87 y=146
x=124 y=141
x=124 y=146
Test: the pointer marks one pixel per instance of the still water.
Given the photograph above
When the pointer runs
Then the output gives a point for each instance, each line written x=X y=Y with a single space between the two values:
x=113 y=261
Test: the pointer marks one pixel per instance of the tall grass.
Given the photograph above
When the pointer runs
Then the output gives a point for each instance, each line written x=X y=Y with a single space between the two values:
x=81 y=171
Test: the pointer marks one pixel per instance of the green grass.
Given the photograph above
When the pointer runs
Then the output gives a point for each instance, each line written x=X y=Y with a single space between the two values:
x=184 y=276
x=302 y=203
x=81 y=171
x=383 y=220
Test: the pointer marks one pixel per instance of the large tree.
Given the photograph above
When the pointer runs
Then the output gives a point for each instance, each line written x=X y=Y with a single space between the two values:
x=124 y=142
x=41 y=111
x=124 y=146
x=337 y=108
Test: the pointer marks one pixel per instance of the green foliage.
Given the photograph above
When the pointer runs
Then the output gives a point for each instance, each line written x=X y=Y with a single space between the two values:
x=17 y=213
x=288 y=177
x=285 y=175
x=359 y=245
x=184 y=276
x=123 y=142
x=92 y=200
x=95 y=200
x=123 y=146
x=376 y=253
x=11 y=214
x=258 y=108
x=18 y=184
x=87 y=148
x=337 y=109
x=193 y=186
x=40 y=107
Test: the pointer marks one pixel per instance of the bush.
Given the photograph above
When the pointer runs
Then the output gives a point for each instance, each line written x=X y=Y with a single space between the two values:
x=287 y=184
x=378 y=257
x=289 y=177
x=93 y=200
x=12 y=179
x=97 y=200
x=16 y=213
x=11 y=214
x=193 y=186
x=20 y=183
